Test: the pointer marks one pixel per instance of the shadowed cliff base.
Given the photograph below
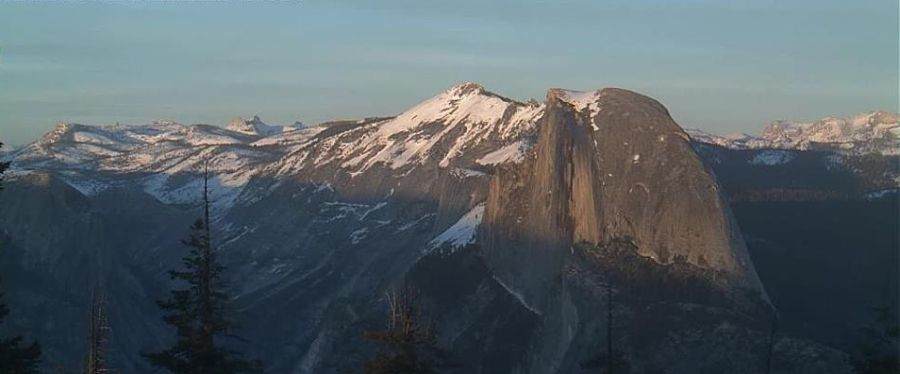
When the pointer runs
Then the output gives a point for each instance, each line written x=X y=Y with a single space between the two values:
x=666 y=318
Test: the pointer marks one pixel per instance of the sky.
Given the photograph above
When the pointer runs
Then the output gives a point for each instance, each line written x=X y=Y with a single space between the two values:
x=722 y=66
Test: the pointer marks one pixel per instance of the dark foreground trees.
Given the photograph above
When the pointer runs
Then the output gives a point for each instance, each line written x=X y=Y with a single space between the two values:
x=880 y=350
x=408 y=345
x=198 y=312
x=16 y=357
x=612 y=361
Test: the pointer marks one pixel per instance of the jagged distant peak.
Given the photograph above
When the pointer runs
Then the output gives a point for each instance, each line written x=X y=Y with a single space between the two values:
x=62 y=127
x=860 y=122
x=59 y=132
x=256 y=127
x=863 y=133
x=251 y=126
x=733 y=141
x=868 y=132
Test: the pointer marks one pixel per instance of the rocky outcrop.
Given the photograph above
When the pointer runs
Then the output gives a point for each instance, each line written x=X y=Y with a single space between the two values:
x=256 y=127
x=607 y=165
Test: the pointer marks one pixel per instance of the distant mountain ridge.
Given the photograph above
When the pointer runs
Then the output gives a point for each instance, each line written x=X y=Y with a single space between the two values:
x=255 y=126
x=865 y=133
x=463 y=125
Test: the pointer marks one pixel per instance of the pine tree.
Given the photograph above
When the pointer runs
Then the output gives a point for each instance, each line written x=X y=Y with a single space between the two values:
x=770 y=344
x=15 y=356
x=612 y=361
x=408 y=345
x=198 y=312
x=95 y=360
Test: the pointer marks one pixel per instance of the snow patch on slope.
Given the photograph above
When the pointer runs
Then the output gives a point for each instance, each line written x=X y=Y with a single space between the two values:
x=875 y=195
x=462 y=232
x=462 y=173
x=583 y=100
x=514 y=153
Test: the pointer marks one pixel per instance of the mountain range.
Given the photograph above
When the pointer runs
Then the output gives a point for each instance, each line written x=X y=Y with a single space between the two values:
x=513 y=219
x=873 y=132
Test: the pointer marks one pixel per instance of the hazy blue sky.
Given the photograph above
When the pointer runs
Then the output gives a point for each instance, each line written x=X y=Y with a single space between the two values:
x=724 y=66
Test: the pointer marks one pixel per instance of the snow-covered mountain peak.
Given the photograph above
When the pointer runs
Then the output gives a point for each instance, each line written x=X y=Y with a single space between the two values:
x=454 y=128
x=466 y=101
x=461 y=117
x=247 y=126
x=832 y=128
x=120 y=147
x=870 y=132
x=59 y=132
x=463 y=126
x=466 y=88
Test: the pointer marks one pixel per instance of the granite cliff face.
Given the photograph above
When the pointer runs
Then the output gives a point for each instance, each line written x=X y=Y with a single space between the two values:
x=512 y=218
x=610 y=164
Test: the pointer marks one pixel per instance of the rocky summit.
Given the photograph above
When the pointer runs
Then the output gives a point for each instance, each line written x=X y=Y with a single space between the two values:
x=530 y=230
x=606 y=165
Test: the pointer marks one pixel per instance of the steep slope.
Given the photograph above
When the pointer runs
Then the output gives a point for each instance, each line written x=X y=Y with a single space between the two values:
x=611 y=193
x=455 y=128
x=609 y=165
